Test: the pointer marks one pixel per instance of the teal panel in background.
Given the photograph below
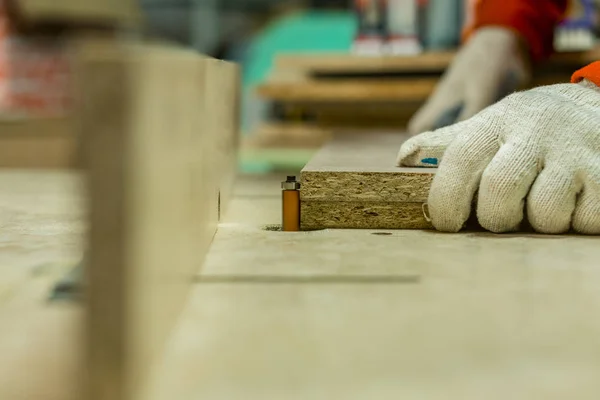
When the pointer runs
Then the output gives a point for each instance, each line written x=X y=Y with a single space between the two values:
x=309 y=31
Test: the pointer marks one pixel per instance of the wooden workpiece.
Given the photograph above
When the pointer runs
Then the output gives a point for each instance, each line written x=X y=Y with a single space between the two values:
x=159 y=130
x=352 y=182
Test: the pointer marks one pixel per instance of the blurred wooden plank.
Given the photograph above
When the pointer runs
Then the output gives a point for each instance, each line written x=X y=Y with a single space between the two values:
x=349 y=90
x=75 y=12
x=367 y=90
x=352 y=182
x=292 y=78
x=346 y=63
x=37 y=143
x=297 y=135
x=292 y=135
x=158 y=154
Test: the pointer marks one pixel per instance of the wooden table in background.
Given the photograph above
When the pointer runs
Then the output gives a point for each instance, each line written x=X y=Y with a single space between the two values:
x=330 y=92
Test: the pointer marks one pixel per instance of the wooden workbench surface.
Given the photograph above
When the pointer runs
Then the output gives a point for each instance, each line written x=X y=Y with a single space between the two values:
x=346 y=63
x=319 y=315
x=41 y=220
x=386 y=315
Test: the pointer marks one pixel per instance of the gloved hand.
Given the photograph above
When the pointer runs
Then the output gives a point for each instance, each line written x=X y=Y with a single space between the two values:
x=542 y=145
x=491 y=65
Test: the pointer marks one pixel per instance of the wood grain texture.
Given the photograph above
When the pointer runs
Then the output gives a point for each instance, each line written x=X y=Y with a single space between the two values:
x=158 y=151
x=352 y=182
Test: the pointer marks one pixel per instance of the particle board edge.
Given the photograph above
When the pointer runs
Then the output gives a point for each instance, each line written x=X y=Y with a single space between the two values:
x=362 y=215
x=390 y=187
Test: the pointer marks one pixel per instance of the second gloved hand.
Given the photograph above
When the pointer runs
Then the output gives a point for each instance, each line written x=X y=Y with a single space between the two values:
x=541 y=145
x=491 y=65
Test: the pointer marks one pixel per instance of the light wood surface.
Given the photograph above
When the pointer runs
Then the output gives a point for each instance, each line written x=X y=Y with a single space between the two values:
x=42 y=215
x=297 y=77
x=349 y=90
x=347 y=314
x=345 y=63
x=221 y=98
x=352 y=314
x=288 y=135
x=353 y=182
x=77 y=12
x=159 y=151
x=37 y=143
x=368 y=90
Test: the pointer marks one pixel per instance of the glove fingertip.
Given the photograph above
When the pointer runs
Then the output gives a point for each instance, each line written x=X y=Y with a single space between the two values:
x=447 y=226
x=445 y=220
x=406 y=154
x=416 y=154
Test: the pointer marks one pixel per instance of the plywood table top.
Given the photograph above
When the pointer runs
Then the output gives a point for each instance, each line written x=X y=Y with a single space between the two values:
x=352 y=314
x=41 y=220
x=362 y=314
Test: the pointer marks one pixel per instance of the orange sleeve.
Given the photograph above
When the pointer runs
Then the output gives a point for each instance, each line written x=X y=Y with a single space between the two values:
x=535 y=21
x=590 y=72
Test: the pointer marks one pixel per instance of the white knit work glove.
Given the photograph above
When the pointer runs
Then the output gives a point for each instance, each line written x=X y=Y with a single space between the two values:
x=491 y=65
x=541 y=145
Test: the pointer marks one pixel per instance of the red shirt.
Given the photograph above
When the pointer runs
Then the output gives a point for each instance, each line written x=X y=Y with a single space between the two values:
x=535 y=21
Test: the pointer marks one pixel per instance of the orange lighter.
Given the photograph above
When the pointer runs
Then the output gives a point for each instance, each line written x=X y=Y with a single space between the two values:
x=291 y=205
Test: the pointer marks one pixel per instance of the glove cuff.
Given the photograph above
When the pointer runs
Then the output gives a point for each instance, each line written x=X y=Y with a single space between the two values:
x=590 y=72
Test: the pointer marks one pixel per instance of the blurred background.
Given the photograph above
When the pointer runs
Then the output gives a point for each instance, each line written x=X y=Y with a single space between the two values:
x=303 y=79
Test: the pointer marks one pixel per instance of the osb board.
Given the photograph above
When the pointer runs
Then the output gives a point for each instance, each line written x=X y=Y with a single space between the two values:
x=157 y=152
x=37 y=143
x=352 y=182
